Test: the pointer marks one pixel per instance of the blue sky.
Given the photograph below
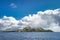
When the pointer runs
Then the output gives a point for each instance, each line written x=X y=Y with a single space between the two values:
x=21 y=8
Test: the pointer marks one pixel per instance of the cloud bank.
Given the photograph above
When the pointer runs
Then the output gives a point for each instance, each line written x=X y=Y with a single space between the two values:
x=48 y=19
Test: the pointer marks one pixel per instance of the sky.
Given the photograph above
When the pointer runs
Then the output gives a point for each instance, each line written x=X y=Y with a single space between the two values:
x=17 y=14
x=21 y=8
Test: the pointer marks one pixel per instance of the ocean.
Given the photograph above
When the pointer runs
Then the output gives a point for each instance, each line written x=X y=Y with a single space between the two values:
x=29 y=35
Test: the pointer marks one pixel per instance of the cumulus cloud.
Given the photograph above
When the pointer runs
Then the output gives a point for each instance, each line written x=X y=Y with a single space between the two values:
x=8 y=22
x=13 y=5
x=48 y=19
x=55 y=27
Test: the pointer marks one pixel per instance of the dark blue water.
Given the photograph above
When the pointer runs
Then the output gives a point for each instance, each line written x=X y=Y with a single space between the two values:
x=29 y=36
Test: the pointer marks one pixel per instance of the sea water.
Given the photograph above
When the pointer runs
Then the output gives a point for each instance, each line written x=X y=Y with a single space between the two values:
x=29 y=36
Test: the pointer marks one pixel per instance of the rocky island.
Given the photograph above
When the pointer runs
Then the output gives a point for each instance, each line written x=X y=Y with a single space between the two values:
x=29 y=29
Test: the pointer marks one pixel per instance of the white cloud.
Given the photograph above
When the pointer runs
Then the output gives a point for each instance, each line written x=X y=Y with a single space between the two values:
x=13 y=5
x=49 y=19
x=8 y=22
x=55 y=27
x=34 y=20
